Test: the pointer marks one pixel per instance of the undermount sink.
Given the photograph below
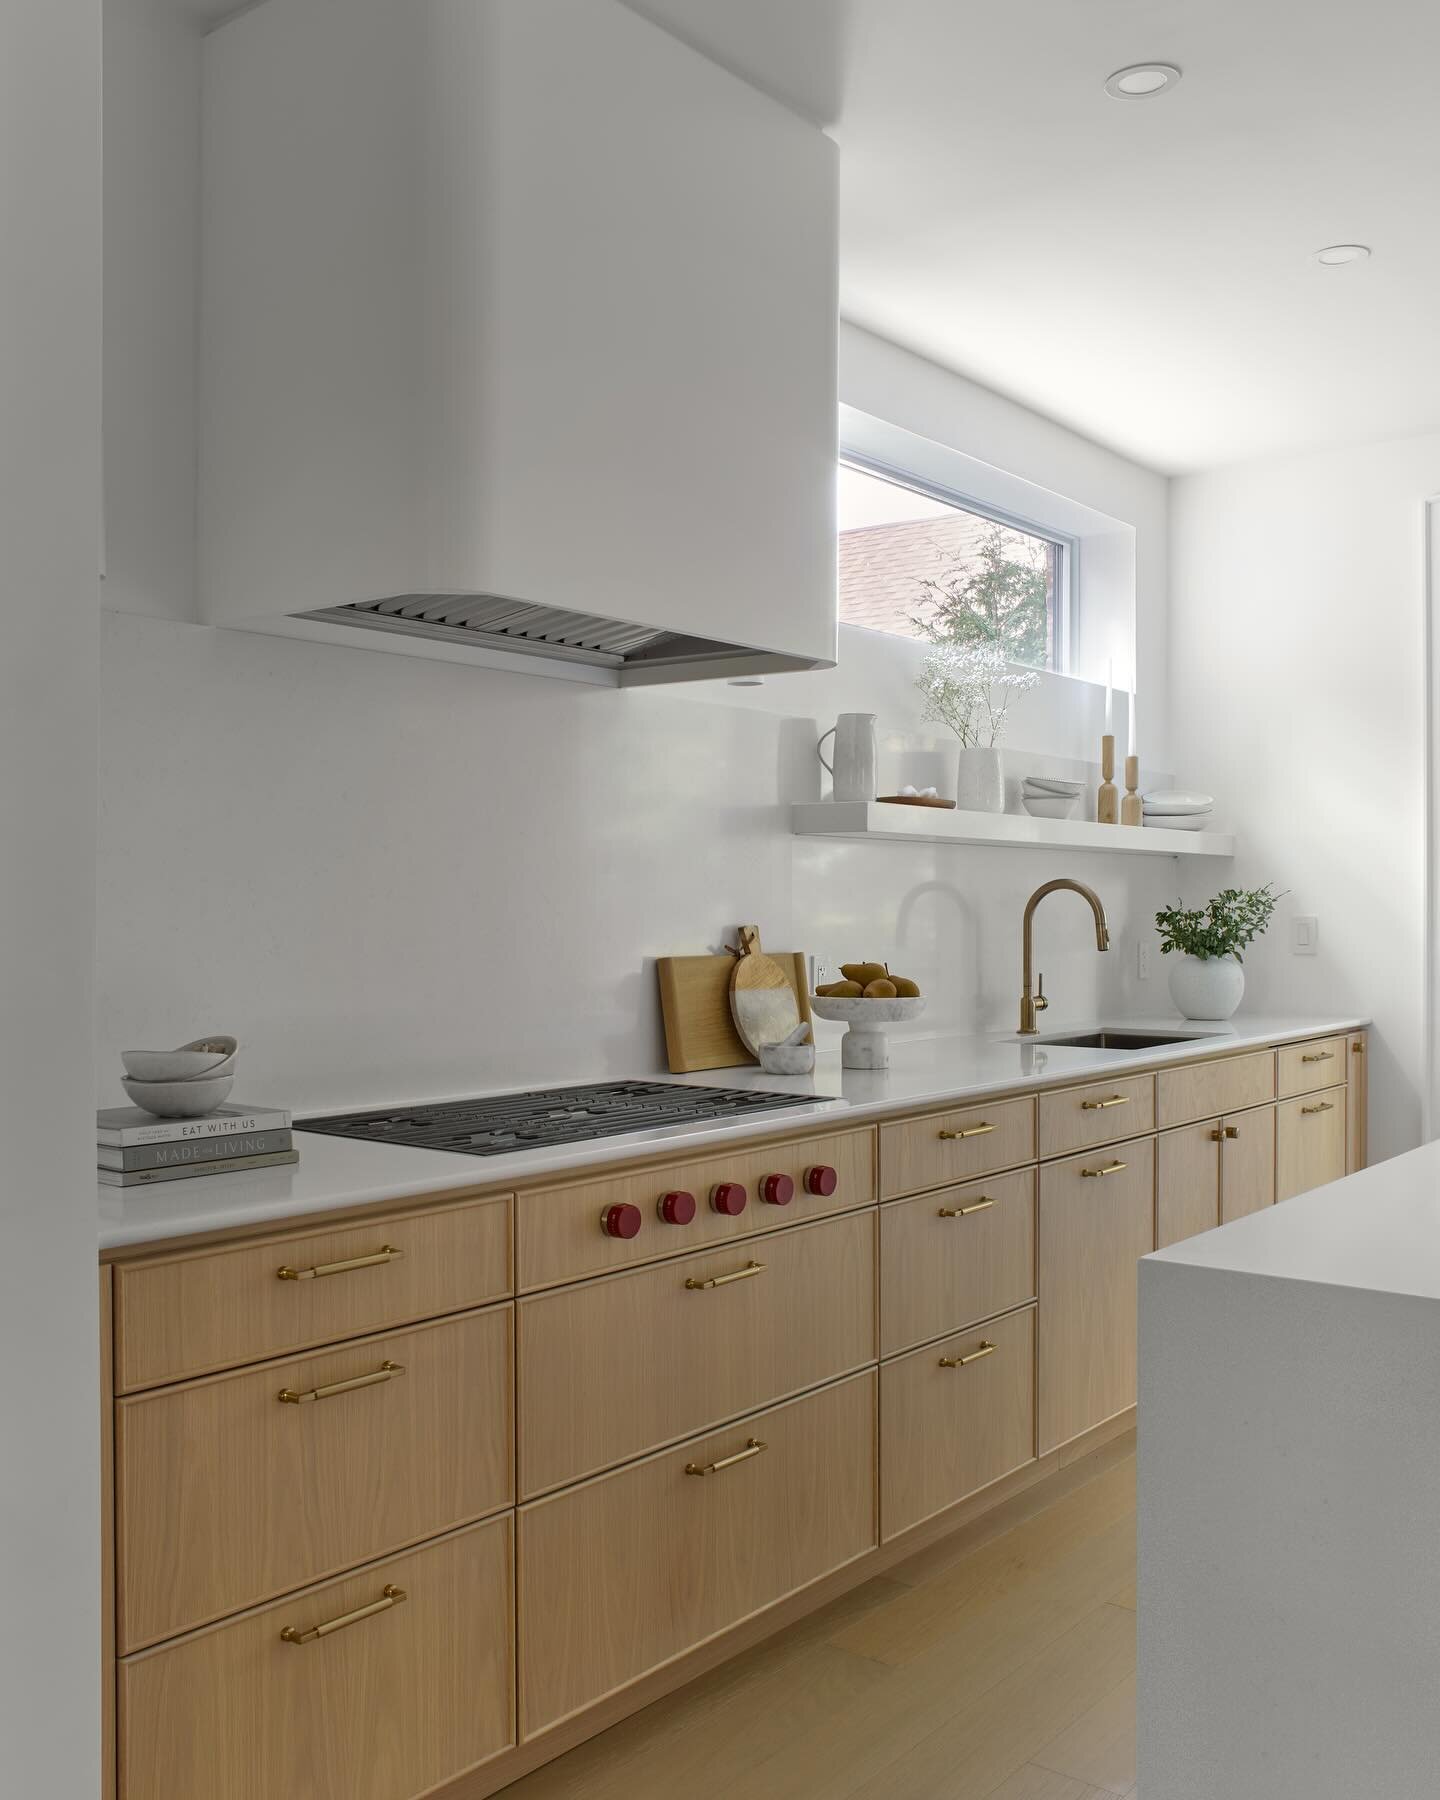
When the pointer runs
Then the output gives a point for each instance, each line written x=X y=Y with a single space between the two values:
x=1123 y=1040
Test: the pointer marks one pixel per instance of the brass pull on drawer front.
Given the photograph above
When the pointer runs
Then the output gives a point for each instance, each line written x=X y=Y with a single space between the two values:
x=385 y=1254
x=964 y=1212
x=1101 y=1105
x=386 y=1372
x=389 y=1597
x=1323 y=1106
x=716 y=1281
x=1318 y=1056
x=967 y=1131
x=1219 y=1135
x=960 y=1362
x=753 y=1447
x=1109 y=1169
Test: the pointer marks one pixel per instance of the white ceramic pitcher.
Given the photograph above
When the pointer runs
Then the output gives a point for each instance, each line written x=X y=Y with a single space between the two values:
x=857 y=754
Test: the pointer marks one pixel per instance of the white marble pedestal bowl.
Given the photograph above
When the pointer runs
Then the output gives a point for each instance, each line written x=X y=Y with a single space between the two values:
x=864 y=1045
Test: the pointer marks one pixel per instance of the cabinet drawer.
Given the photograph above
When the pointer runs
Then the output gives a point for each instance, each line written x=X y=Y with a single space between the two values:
x=954 y=1418
x=1309 y=1142
x=387 y=1707
x=203 y=1310
x=559 y=1231
x=1208 y=1089
x=946 y=1259
x=1305 y=1068
x=952 y=1146
x=614 y=1367
x=627 y=1572
x=227 y=1495
x=1101 y=1113
x=1094 y=1228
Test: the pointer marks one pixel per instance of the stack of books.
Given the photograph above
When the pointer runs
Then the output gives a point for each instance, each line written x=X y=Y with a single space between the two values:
x=136 y=1148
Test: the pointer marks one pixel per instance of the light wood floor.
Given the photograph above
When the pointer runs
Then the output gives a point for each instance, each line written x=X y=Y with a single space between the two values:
x=997 y=1665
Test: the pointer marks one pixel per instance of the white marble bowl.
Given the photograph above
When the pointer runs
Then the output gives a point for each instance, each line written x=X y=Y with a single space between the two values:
x=179 y=1099
x=787 y=1059
x=201 y=1059
x=863 y=1045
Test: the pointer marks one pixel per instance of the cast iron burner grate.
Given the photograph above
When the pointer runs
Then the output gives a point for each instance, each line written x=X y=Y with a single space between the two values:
x=491 y=1125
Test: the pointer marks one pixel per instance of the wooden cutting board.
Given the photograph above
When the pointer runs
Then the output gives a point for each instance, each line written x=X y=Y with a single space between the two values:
x=695 y=1001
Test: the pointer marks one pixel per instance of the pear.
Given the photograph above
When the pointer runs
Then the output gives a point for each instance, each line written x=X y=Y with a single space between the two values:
x=864 y=973
x=905 y=988
x=881 y=989
x=841 y=990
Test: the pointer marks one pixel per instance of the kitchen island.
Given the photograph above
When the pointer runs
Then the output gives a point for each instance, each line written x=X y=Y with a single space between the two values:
x=651 y=1396
x=1289 y=1591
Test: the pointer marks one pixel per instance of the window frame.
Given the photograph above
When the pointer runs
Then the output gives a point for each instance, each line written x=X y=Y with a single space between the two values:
x=1067 y=585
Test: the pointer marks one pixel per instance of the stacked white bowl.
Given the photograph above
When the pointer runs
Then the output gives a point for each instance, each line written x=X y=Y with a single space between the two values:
x=1177 y=809
x=186 y=1083
x=1048 y=797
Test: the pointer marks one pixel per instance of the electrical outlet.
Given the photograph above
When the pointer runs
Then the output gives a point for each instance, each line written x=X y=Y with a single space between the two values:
x=1144 y=956
x=1305 y=935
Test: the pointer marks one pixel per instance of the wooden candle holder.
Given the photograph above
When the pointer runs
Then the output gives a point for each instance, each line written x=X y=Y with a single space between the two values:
x=1107 y=801
x=1132 y=811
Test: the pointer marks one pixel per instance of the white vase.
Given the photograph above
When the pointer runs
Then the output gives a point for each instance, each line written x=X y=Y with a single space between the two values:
x=857 y=754
x=980 y=780
x=1206 y=987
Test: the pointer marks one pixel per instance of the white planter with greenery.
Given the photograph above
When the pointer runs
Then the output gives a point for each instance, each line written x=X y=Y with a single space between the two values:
x=1207 y=978
x=969 y=687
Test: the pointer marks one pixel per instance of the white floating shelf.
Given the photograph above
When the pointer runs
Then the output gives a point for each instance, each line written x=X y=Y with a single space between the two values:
x=934 y=825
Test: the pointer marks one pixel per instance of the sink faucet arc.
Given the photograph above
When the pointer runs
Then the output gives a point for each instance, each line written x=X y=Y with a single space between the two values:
x=1031 y=1002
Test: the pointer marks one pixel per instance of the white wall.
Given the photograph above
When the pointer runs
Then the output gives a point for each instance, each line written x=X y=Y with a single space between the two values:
x=1297 y=683
x=49 y=529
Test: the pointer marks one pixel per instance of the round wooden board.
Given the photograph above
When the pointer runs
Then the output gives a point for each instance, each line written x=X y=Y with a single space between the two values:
x=762 y=1001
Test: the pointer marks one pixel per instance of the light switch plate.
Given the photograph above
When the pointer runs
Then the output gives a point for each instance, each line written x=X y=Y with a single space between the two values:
x=1305 y=935
x=1144 y=956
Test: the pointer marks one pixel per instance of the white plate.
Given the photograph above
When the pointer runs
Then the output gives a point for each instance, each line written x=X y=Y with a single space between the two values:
x=1168 y=800
x=1178 y=821
x=1049 y=784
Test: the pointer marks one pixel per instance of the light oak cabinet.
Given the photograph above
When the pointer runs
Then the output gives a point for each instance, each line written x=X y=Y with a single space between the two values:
x=948 y=1258
x=1097 y=1219
x=1206 y=1090
x=623 y=1573
x=945 y=1147
x=1309 y=1142
x=955 y=1417
x=1101 y=1113
x=1357 y=1096
x=411 y=1684
x=1209 y=1174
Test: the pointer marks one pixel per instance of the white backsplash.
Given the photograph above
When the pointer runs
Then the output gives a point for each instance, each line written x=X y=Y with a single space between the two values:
x=394 y=878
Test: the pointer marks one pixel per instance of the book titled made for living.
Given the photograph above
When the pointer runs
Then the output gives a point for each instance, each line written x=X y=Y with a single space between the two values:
x=128 y=1127
x=195 y=1171
x=186 y=1152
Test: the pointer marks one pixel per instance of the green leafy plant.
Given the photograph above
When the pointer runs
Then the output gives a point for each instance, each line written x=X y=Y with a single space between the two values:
x=1002 y=599
x=1224 y=927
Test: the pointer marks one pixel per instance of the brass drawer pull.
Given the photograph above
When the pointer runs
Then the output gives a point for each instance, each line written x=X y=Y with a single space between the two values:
x=1318 y=1056
x=964 y=1212
x=386 y=1253
x=1109 y=1169
x=386 y=1372
x=389 y=1596
x=968 y=1131
x=1220 y=1133
x=1100 y=1105
x=959 y=1362
x=753 y=1447
x=714 y=1281
x=1323 y=1106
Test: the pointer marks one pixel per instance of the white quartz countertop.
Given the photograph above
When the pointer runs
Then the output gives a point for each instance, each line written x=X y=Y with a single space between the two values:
x=1378 y=1230
x=337 y=1173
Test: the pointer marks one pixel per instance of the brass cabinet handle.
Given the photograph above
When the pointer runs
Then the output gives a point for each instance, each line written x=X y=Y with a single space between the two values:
x=389 y=1596
x=959 y=1362
x=1318 y=1056
x=1323 y=1106
x=968 y=1131
x=1358 y=1047
x=1100 y=1105
x=753 y=1447
x=964 y=1212
x=386 y=1253
x=1109 y=1169
x=1221 y=1132
x=386 y=1372
x=714 y=1281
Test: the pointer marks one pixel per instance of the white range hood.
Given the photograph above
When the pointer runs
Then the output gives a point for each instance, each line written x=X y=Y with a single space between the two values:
x=518 y=342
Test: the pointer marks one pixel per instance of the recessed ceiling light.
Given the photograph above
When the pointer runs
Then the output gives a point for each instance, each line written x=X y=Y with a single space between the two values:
x=1336 y=256
x=1142 y=81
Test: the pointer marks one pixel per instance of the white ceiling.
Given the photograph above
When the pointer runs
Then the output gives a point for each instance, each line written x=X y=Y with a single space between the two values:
x=1141 y=271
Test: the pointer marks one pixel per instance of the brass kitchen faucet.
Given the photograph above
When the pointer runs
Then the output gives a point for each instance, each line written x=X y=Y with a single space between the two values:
x=1032 y=1003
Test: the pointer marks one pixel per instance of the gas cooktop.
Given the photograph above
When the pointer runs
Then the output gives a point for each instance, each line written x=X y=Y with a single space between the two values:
x=491 y=1125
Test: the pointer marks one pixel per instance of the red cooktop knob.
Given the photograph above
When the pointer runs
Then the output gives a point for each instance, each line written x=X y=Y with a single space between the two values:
x=821 y=1180
x=677 y=1208
x=620 y=1221
x=728 y=1197
x=777 y=1190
